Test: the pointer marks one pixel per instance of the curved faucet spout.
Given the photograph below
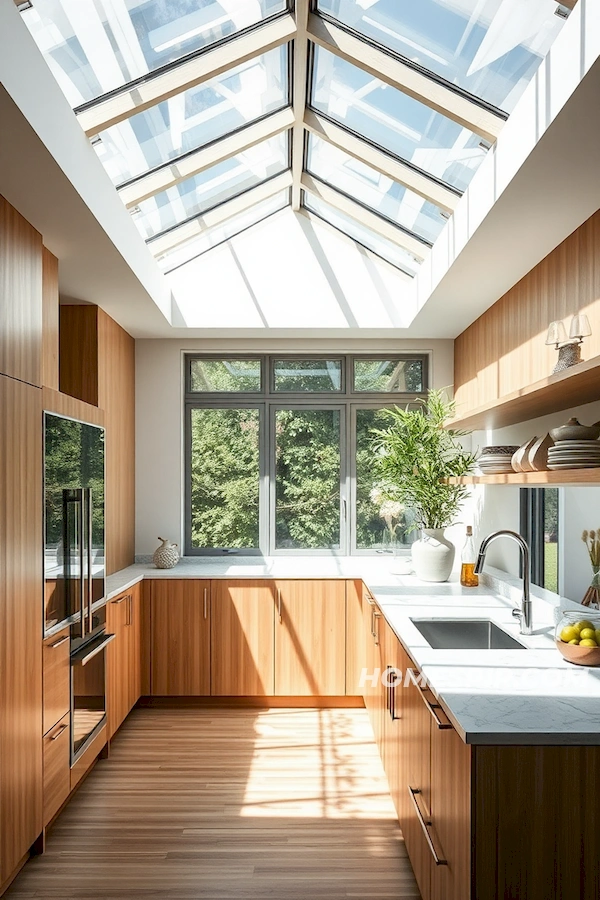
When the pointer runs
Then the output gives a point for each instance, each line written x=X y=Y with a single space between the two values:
x=524 y=613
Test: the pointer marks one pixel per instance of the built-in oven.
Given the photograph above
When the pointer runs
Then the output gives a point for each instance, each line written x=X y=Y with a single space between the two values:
x=88 y=680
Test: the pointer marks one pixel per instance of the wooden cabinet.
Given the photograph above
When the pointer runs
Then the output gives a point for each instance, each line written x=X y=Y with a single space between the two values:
x=180 y=637
x=57 y=774
x=56 y=679
x=20 y=621
x=355 y=637
x=21 y=293
x=123 y=619
x=242 y=638
x=310 y=638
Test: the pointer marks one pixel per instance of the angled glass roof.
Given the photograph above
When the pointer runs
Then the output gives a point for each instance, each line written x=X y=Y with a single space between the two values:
x=373 y=189
x=96 y=46
x=396 y=103
x=490 y=48
x=196 y=117
x=192 y=197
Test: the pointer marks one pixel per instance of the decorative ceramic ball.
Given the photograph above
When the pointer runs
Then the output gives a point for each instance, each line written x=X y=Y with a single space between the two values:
x=167 y=555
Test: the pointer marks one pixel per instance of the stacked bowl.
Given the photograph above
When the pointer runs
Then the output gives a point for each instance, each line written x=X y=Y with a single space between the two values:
x=497 y=460
x=576 y=446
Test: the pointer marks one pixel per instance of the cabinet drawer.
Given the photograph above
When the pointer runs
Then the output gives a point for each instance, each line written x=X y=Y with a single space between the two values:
x=57 y=679
x=57 y=777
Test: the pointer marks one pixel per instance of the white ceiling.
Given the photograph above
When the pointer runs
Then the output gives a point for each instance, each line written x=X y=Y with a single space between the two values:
x=55 y=180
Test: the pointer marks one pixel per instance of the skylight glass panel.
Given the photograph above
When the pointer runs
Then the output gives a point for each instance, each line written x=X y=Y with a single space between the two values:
x=195 y=117
x=212 y=187
x=389 y=251
x=379 y=192
x=97 y=46
x=394 y=121
x=490 y=48
x=183 y=253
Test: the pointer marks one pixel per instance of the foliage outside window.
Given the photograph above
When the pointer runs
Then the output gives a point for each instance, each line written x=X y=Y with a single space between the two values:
x=280 y=455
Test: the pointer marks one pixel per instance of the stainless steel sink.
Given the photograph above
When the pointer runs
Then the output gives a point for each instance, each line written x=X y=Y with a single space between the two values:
x=466 y=634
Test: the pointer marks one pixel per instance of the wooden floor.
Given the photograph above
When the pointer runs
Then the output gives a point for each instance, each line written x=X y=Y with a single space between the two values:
x=197 y=804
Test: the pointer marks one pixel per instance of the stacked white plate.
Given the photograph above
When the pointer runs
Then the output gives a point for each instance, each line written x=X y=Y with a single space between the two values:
x=497 y=460
x=574 y=455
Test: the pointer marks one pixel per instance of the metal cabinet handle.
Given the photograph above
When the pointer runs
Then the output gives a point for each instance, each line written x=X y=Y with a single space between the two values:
x=425 y=825
x=58 y=732
x=392 y=680
x=279 y=612
x=59 y=642
x=206 y=603
x=432 y=707
x=376 y=616
x=120 y=600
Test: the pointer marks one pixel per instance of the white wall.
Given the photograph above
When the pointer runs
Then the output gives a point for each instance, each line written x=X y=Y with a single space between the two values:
x=159 y=417
x=496 y=506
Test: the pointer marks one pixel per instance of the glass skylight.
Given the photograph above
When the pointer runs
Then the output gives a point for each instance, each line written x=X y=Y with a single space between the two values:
x=97 y=46
x=220 y=233
x=379 y=192
x=354 y=229
x=394 y=121
x=195 y=117
x=212 y=187
x=490 y=48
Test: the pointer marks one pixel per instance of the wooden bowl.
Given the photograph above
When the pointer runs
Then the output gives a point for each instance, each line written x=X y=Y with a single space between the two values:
x=580 y=656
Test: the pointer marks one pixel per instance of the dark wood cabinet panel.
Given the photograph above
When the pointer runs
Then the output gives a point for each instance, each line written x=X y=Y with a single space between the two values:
x=20 y=621
x=242 y=638
x=180 y=625
x=56 y=679
x=20 y=297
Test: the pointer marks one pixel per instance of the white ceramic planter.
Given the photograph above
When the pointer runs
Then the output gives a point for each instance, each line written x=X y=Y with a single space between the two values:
x=433 y=555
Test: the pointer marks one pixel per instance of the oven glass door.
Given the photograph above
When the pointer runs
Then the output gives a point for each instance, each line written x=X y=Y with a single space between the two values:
x=88 y=690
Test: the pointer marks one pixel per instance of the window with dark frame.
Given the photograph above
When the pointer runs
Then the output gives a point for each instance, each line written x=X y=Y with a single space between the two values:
x=278 y=452
x=539 y=525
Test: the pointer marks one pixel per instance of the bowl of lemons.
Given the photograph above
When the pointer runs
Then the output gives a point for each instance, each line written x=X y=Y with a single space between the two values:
x=578 y=638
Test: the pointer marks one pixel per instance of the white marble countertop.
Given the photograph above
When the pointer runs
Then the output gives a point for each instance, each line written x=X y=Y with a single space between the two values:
x=530 y=696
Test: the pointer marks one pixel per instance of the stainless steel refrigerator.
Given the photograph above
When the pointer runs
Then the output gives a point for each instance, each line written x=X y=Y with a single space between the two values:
x=74 y=564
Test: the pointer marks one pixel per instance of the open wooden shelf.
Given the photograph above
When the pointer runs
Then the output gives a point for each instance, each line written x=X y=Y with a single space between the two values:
x=573 y=387
x=572 y=477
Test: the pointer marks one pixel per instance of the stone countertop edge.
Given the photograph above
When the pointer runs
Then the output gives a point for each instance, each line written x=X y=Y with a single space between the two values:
x=482 y=710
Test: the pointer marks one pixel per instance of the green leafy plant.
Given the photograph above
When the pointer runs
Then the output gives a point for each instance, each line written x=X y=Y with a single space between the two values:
x=416 y=453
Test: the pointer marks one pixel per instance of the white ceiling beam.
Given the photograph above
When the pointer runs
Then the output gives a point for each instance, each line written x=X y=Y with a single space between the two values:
x=220 y=214
x=299 y=96
x=174 y=173
x=406 y=79
x=207 y=65
x=412 y=179
x=377 y=224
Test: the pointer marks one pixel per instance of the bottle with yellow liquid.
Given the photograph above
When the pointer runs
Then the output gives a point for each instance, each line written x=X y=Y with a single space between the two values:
x=468 y=578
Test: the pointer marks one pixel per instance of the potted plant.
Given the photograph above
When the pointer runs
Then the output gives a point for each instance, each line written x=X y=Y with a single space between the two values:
x=414 y=456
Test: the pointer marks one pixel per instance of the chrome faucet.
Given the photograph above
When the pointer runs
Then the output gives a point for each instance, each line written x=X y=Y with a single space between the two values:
x=523 y=614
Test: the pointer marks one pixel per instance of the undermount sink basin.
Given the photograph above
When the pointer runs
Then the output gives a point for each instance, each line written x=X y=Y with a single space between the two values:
x=466 y=634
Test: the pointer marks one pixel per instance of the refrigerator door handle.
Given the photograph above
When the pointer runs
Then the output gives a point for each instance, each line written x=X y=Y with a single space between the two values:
x=80 y=536
x=88 y=541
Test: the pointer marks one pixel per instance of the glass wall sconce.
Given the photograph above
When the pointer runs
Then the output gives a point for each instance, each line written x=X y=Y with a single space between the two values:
x=569 y=348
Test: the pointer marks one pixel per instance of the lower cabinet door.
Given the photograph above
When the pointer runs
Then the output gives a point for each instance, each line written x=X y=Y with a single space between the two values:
x=243 y=642
x=57 y=776
x=134 y=646
x=56 y=669
x=310 y=638
x=117 y=663
x=451 y=813
x=180 y=626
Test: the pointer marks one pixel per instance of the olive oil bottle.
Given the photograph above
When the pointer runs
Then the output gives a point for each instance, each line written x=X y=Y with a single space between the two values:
x=468 y=578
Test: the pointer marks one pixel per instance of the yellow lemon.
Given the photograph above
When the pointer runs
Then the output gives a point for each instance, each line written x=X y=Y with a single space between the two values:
x=574 y=641
x=587 y=642
x=569 y=633
x=583 y=624
x=598 y=635
x=587 y=634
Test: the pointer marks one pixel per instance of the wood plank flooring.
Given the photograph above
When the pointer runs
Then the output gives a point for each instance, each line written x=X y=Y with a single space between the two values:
x=216 y=804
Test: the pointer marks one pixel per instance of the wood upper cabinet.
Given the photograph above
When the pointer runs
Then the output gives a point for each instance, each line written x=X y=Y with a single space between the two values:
x=242 y=638
x=56 y=678
x=310 y=638
x=180 y=637
x=124 y=663
x=20 y=620
x=20 y=297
